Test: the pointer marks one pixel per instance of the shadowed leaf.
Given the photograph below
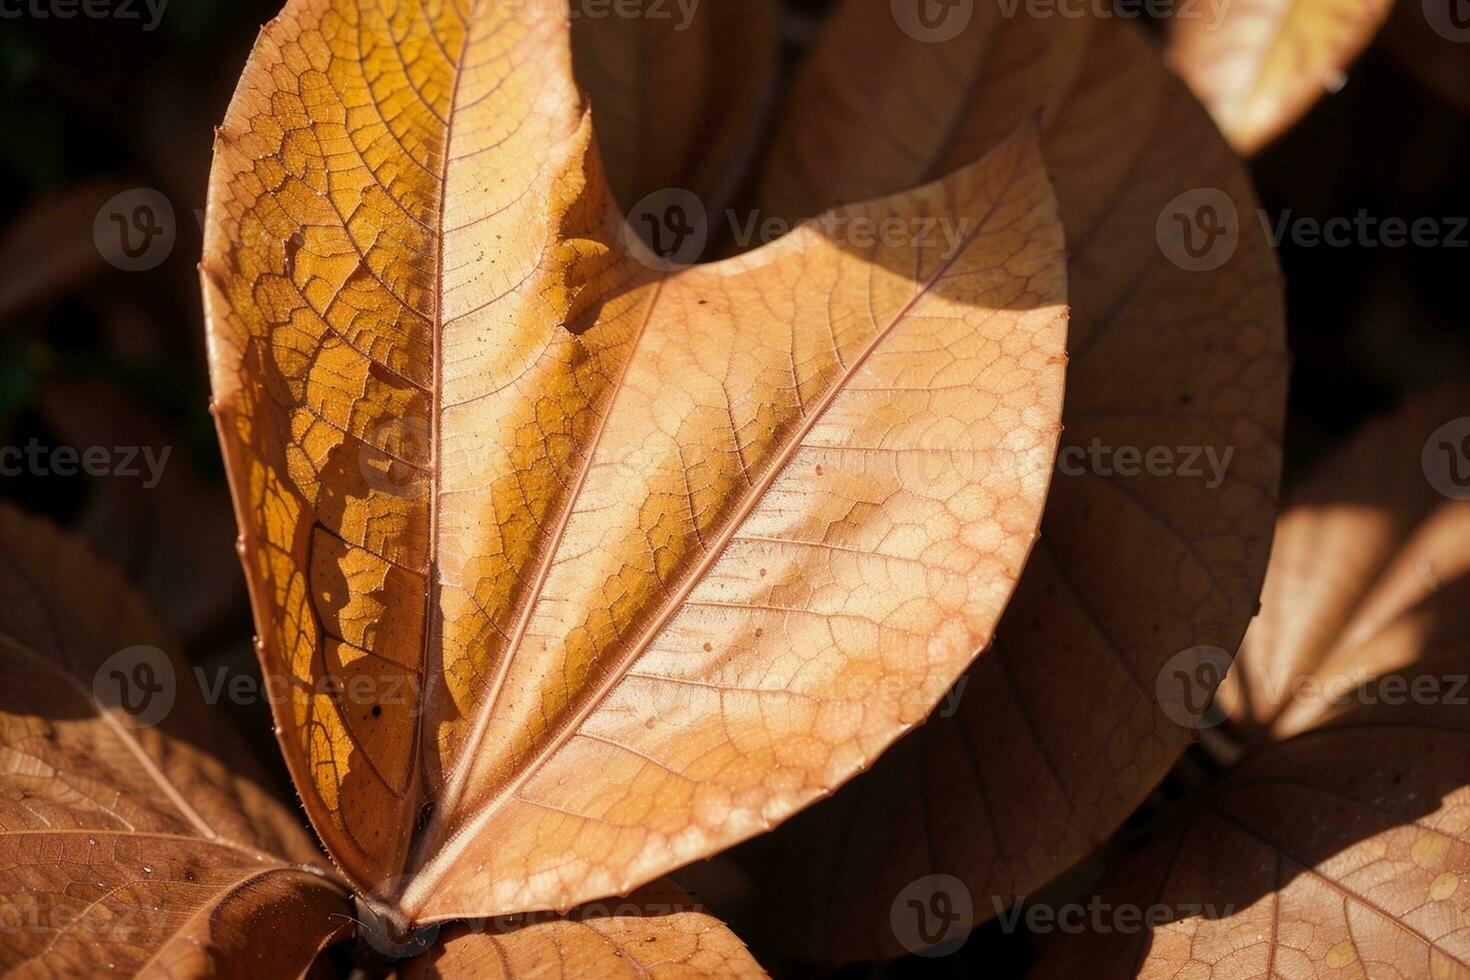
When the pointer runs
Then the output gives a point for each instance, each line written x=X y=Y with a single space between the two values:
x=658 y=932
x=125 y=848
x=1342 y=849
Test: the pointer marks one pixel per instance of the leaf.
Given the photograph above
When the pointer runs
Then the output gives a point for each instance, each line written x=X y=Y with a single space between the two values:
x=127 y=848
x=628 y=565
x=681 y=98
x=1258 y=66
x=657 y=932
x=1368 y=540
x=1056 y=734
x=1343 y=850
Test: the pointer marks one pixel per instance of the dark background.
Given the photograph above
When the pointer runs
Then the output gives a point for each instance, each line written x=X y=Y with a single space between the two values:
x=92 y=355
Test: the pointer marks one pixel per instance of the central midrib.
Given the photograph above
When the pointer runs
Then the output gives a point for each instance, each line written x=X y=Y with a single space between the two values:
x=429 y=664
x=568 y=725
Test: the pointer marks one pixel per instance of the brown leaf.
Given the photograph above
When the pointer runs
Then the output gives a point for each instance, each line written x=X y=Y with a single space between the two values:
x=1367 y=541
x=1259 y=65
x=126 y=846
x=1343 y=850
x=657 y=932
x=657 y=557
x=679 y=102
x=1056 y=734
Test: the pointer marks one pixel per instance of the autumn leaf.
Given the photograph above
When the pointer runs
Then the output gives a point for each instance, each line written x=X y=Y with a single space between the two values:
x=1259 y=65
x=657 y=932
x=131 y=844
x=1340 y=844
x=1057 y=733
x=624 y=563
x=681 y=99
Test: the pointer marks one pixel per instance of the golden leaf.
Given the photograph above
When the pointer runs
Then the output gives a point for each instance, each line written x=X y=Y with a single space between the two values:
x=624 y=564
x=1057 y=733
x=1259 y=66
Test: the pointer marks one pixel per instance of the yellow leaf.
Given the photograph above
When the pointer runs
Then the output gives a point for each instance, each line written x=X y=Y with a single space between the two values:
x=578 y=567
x=1259 y=66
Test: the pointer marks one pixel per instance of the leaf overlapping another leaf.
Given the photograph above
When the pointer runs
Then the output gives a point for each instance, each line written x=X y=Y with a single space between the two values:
x=1057 y=733
x=661 y=557
x=1340 y=843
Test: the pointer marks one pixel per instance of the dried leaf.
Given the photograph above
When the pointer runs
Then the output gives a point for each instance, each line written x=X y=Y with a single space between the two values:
x=1345 y=849
x=658 y=558
x=1258 y=66
x=680 y=99
x=657 y=932
x=1367 y=540
x=1056 y=734
x=126 y=847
